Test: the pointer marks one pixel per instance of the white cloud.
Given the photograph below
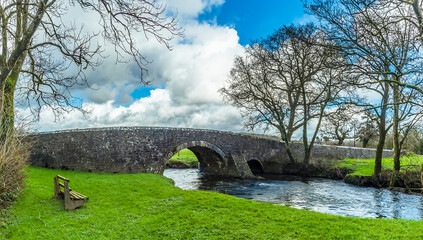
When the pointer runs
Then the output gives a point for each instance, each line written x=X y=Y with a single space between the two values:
x=191 y=8
x=189 y=78
x=194 y=72
x=155 y=110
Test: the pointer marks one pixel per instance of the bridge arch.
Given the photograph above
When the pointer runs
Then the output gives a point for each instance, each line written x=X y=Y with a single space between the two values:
x=256 y=167
x=211 y=158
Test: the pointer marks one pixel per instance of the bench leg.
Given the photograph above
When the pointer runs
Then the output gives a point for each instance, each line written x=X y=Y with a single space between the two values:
x=73 y=204
x=57 y=191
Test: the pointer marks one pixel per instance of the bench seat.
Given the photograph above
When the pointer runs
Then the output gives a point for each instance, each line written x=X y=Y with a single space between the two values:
x=75 y=195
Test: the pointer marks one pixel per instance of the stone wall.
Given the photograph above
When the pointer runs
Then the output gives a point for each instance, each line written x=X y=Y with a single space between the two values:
x=147 y=149
x=335 y=152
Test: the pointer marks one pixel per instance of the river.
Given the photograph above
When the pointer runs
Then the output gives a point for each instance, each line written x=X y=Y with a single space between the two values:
x=316 y=194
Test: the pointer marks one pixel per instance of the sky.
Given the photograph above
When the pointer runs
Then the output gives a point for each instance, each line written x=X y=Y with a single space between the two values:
x=186 y=80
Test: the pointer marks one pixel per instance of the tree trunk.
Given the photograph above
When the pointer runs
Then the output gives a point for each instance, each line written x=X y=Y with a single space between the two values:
x=379 y=154
x=316 y=131
x=365 y=142
x=289 y=152
x=8 y=113
x=7 y=110
x=287 y=141
x=307 y=156
x=306 y=159
x=396 y=140
x=382 y=133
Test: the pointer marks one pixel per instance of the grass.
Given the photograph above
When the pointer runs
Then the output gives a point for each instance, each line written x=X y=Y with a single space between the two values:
x=185 y=156
x=365 y=167
x=148 y=206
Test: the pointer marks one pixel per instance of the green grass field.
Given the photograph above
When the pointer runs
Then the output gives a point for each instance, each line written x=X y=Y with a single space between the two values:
x=365 y=167
x=185 y=156
x=148 y=206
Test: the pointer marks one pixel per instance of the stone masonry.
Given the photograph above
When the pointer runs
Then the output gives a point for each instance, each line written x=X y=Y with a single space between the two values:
x=147 y=149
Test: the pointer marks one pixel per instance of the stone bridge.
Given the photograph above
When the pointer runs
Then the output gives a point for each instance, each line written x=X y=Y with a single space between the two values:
x=147 y=149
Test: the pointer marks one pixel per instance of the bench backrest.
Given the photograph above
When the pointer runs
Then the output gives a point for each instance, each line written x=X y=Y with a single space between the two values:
x=58 y=186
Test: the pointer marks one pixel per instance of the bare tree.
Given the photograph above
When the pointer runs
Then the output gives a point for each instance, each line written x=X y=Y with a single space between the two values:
x=343 y=24
x=382 y=51
x=286 y=81
x=340 y=124
x=368 y=129
x=414 y=140
x=416 y=6
x=49 y=56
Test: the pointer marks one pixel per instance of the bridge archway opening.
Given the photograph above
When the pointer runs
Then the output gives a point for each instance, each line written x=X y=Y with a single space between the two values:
x=184 y=158
x=255 y=167
x=211 y=159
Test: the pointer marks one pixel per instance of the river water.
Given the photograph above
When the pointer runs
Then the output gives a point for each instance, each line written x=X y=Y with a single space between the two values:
x=317 y=194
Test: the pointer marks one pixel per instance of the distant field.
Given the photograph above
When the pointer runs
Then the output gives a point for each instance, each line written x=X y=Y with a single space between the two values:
x=185 y=156
x=365 y=167
x=148 y=206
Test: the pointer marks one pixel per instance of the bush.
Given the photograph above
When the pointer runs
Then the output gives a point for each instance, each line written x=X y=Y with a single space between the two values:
x=14 y=155
x=411 y=171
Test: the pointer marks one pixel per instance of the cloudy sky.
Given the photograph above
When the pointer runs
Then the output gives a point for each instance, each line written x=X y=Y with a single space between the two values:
x=184 y=91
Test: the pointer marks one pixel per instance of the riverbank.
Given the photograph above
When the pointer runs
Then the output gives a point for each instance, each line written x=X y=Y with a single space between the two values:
x=148 y=206
x=354 y=171
x=360 y=172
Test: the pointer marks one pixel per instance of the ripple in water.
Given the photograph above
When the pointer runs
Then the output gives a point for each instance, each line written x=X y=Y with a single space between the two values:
x=321 y=195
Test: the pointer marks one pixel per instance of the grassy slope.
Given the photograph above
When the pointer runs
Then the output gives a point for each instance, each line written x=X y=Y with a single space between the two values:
x=365 y=167
x=147 y=206
x=185 y=156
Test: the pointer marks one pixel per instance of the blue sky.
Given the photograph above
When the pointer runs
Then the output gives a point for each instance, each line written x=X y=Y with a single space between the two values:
x=250 y=18
x=254 y=19
x=186 y=80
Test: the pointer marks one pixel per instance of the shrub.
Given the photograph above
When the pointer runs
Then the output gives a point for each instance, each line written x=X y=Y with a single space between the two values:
x=14 y=155
x=411 y=170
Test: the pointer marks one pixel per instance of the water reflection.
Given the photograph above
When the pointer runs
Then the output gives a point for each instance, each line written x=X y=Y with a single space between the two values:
x=322 y=195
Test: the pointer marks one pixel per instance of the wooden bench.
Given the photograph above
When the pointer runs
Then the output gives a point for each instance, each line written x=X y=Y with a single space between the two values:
x=71 y=198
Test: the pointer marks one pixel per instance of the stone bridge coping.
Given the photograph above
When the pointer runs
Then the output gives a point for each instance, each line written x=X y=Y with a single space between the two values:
x=150 y=128
x=254 y=135
x=131 y=128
